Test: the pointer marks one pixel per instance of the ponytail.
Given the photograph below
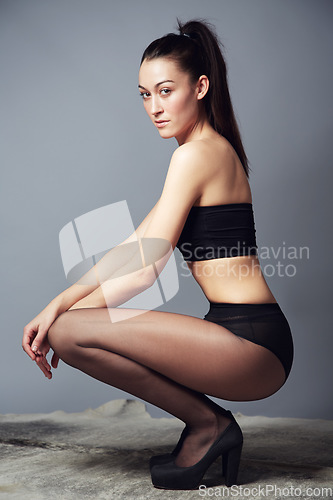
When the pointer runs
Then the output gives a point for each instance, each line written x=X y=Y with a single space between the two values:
x=197 y=51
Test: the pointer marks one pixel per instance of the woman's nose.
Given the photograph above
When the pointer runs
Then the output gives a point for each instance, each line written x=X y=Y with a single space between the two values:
x=156 y=107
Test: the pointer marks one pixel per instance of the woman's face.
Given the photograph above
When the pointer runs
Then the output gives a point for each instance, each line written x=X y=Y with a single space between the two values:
x=170 y=100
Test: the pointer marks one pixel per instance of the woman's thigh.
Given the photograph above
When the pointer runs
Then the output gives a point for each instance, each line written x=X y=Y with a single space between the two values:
x=196 y=353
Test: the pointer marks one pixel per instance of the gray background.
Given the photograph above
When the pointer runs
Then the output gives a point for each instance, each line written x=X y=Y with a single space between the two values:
x=75 y=137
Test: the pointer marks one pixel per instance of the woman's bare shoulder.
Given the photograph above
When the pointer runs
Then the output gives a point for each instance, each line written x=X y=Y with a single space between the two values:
x=212 y=152
x=216 y=166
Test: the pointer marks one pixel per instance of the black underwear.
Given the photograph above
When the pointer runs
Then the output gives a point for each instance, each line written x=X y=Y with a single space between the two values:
x=264 y=324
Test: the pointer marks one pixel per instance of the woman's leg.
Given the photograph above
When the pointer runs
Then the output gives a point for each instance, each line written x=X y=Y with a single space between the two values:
x=169 y=360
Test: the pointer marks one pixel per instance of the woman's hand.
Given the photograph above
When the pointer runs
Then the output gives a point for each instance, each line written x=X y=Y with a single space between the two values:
x=41 y=361
x=35 y=342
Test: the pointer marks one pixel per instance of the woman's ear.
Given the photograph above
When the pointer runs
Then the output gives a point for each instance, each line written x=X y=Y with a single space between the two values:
x=202 y=86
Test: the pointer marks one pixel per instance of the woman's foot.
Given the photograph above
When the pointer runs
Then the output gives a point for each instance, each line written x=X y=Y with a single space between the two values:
x=167 y=457
x=199 y=451
x=200 y=438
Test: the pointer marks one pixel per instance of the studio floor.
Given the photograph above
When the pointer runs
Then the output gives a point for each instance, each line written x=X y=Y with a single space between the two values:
x=104 y=454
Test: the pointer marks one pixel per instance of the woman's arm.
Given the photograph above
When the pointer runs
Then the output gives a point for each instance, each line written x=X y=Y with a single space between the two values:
x=86 y=292
x=184 y=183
x=183 y=186
x=34 y=333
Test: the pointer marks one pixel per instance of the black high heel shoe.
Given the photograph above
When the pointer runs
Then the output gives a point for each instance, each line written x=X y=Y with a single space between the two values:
x=167 y=457
x=228 y=445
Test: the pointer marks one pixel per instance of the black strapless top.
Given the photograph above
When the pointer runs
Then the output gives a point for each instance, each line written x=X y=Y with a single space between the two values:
x=217 y=231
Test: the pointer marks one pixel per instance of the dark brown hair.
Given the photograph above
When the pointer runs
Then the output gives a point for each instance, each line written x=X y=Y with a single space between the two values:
x=196 y=49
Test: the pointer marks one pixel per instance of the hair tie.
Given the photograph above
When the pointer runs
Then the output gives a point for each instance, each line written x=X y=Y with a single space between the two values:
x=185 y=34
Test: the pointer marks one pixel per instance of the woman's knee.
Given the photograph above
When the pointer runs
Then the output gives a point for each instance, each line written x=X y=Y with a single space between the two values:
x=60 y=336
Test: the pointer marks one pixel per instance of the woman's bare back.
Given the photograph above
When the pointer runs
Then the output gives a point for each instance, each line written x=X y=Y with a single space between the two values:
x=232 y=279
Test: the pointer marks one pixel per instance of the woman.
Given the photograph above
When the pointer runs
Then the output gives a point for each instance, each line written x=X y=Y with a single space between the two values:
x=242 y=349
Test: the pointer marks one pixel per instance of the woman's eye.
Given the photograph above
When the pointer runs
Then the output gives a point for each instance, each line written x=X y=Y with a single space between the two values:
x=166 y=91
x=144 y=95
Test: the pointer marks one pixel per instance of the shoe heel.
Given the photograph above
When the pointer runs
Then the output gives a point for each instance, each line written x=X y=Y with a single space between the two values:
x=230 y=464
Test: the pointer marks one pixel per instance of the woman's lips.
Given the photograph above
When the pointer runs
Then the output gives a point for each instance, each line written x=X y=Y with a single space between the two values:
x=161 y=123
